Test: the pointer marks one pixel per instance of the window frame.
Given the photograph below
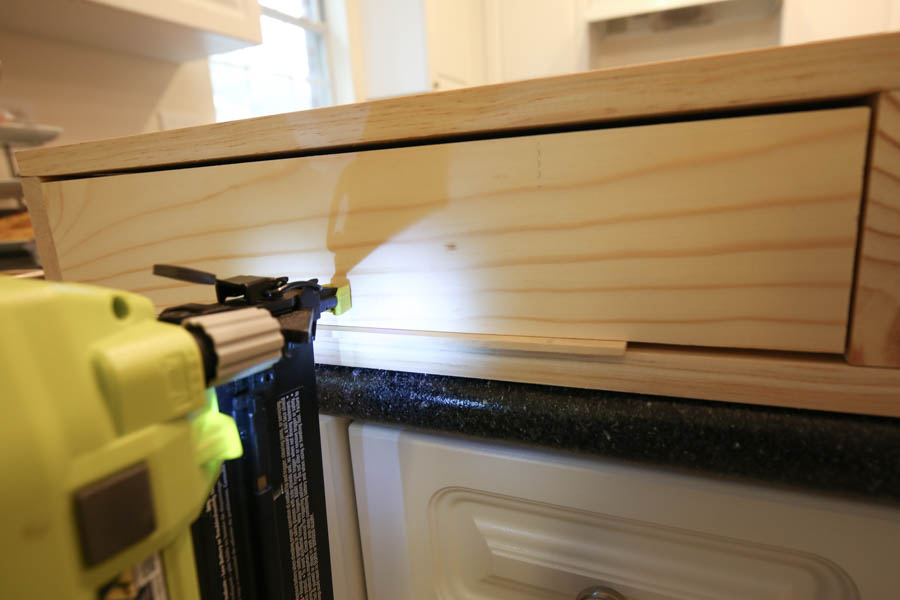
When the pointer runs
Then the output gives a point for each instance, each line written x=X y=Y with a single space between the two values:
x=319 y=27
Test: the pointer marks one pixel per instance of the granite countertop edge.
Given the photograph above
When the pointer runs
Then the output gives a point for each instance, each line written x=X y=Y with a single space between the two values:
x=846 y=454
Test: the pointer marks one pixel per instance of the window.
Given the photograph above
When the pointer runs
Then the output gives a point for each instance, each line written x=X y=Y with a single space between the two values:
x=287 y=72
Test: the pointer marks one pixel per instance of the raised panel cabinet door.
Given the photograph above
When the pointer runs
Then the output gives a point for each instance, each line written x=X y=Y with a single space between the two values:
x=735 y=232
x=455 y=518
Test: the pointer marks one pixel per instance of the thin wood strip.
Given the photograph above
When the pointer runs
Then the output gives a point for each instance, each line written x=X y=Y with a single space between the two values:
x=482 y=342
x=15 y=227
x=816 y=382
x=843 y=68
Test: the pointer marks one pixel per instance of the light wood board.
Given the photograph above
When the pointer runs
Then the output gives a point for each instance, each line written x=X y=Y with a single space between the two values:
x=733 y=232
x=473 y=342
x=43 y=235
x=875 y=325
x=774 y=379
x=850 y=67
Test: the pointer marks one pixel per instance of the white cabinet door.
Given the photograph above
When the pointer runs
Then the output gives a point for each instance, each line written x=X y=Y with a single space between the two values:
x=455 y=518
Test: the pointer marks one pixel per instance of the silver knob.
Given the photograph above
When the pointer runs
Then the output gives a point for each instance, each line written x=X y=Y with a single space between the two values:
x=599 y=592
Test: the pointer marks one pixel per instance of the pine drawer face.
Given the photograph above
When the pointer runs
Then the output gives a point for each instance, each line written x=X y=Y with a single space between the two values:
x=736 y=232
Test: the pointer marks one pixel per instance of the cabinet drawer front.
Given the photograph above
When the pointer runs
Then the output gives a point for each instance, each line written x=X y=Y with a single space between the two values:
x=733 y=232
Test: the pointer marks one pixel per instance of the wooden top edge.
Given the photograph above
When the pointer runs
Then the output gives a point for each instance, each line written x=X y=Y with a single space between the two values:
x=823 y=70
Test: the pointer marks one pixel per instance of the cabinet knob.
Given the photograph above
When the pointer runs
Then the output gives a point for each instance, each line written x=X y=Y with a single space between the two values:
x=599 y=592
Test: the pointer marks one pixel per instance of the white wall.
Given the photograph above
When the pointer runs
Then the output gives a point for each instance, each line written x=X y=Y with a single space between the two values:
x=93 y=93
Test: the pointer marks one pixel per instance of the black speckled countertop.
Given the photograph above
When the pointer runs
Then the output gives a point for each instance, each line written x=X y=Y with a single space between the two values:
x=847 y=454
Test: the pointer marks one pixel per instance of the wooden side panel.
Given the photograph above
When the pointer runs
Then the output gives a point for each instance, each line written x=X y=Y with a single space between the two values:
x=731 y=232
x=875 y=324
x=43 y=234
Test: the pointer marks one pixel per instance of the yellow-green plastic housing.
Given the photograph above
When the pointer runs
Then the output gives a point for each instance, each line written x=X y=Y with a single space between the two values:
x=344 y=299
x=90 y=384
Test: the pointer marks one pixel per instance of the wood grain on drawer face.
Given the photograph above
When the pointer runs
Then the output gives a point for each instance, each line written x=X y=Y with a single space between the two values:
x=730 y=232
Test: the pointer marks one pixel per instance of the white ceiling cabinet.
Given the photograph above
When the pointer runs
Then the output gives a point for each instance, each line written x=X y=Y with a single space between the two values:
x=415 y=46
x=459 y=518
x=174 y=30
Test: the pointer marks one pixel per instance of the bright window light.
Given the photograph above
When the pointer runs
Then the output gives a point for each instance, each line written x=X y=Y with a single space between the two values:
x=287 y=72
